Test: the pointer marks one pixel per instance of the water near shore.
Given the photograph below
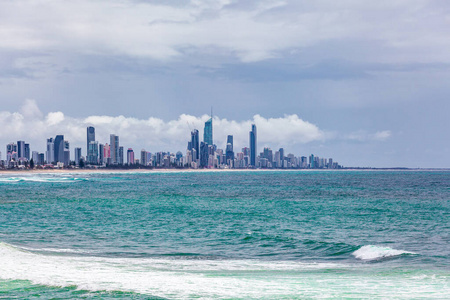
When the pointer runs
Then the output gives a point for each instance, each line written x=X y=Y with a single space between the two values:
x=177 y=235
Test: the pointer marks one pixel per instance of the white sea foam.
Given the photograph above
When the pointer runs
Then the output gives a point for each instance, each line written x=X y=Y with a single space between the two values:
x=40 y=179
x=184 y=278
x=371 y=252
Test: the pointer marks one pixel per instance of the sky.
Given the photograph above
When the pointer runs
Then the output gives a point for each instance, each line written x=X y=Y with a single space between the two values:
x=363 y=82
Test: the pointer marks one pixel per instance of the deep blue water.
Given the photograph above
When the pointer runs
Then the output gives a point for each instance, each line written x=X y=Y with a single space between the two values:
x=280 y=234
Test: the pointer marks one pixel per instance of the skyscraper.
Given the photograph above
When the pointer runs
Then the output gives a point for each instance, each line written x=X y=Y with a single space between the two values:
x=21 y=149
x=195 y=143
x=50 y=153
x=90 y=135
x=27 y=152
x=208 y=132
x=114 y=144
x=229 y=154
x=120 y=162
x=77 y=156
x=59 y=148
x=93 y=151
x=204 y=154
x=253 y=146
x=130 y=156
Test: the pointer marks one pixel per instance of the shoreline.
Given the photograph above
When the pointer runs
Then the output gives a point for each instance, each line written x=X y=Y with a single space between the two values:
x=150 y=171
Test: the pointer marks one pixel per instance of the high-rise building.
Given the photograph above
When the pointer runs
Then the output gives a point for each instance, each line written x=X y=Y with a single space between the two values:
x=195 y=143
x=40 y=160
x=21 y=149
x=312 y=161
x=208 y=132
x=253 y=146
x=27 y=152
x=92 y=155
x=90 y=137
x=114 y=144
x=120 y=162
x=229 y=153
x=204 y=154
x=107 y=154
x=50 y=153
x=281 y=157
x=130 y=156
x=66 y=160
x=143 y=160
x=77 y=156
x=59 y=149
x=101 y=153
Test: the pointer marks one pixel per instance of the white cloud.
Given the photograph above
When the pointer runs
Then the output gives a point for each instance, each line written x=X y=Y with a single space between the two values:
x=363 y=136
x=382 y=135
x=153 y=134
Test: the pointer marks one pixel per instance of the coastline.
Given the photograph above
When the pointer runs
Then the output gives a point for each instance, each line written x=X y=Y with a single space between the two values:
x=155 y=171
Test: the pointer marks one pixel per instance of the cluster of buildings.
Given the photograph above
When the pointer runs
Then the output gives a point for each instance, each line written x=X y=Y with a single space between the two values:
x=199 y=154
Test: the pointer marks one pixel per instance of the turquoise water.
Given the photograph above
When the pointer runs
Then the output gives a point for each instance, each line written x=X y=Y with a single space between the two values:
x=178 y=235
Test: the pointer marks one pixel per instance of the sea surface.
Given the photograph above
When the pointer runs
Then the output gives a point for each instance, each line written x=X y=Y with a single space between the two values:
x=226 y=235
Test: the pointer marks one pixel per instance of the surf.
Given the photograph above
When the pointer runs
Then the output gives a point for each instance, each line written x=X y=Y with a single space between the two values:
x=372 y=253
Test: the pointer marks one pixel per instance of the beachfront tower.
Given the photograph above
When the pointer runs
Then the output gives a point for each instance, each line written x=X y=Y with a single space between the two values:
x=90 y=136
x=208 y=132
x=195 y=144
x=253 y=146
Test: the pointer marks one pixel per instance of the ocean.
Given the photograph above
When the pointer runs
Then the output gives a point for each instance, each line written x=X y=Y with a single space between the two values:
x=225 y=235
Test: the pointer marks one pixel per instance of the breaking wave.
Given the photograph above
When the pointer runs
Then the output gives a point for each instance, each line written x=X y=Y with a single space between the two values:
x=371 y=252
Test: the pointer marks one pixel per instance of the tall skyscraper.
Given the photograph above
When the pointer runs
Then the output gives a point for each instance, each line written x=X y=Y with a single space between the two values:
x=66 y=160
x=120 y=162
x=229 y=154
x=21 y=149
x=27 y=152
x=114 y=145
x=281 y=158
x=204 y=154
x=90 y=135
x=253 y=146
x=77 y=156
x=101 y=153
x=92 y=154
x=208 y=132
x=50 y=153
x=195 y=143
x=59 y=148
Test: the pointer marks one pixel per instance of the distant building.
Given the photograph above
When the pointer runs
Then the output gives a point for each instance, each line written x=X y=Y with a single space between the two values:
x=21 y=149
x=101 y=154
x=77 y=156
x=114 y=145
x=229 y=153
x=50 y=153
x=208 y=132
x=253 y=146
x=90 y=137
x=59 y=149
x=195 y=144
x=130 y=156
x=120 y=155
x=92 y=154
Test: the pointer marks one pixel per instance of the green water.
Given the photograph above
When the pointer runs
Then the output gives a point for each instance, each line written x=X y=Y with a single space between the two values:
x=229 y=235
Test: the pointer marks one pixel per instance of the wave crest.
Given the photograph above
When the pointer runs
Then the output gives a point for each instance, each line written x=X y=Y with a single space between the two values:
x=371 y=252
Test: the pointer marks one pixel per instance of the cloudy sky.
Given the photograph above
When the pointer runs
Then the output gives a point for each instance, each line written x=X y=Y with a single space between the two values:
x=364 y=82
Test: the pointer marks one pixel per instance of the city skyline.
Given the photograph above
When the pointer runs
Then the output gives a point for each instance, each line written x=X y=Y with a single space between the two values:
x=290 y=132
x=204 y=154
